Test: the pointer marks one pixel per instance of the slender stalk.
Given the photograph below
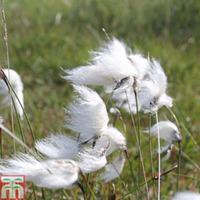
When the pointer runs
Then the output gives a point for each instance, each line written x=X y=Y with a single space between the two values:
x=1 y=143
x=43 y=194
x=88 y=185
x=82 y=190
x=25 y=114
x=173 y=115
x=139 y=134
x=152 y=179
x=16 y=139
x=126 y=152
x=159 y=160
x=34 y=192
x=196 y=165
x=138 y=144
x=132 y=173
x=179 y=166
x=18 y=121
x=7 y=61
x=150 y=154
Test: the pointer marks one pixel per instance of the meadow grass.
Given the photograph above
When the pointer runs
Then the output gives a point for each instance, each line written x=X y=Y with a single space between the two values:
x=45 y=36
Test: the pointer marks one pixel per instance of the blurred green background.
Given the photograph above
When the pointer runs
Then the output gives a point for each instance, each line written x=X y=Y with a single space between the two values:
x=48 y=35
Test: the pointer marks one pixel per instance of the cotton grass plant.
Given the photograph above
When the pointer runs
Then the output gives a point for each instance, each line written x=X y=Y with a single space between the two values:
x=96 y=150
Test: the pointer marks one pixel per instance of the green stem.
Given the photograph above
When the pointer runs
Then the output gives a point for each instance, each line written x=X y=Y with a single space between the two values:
x=179 y=166
x=159 y=160
x=138 y=145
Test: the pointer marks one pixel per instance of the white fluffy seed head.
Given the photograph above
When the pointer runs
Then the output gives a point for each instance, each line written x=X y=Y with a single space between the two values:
x=58 y=146
x=186 y=195
x=115 y=139
x=114 y=169
x=126 y=100
x=168 y=131
x=16 y=83
x=91 y=159
x=152 y=92
x=87 y=115
x=141 y=63
x=51 y=174
x=109 y=65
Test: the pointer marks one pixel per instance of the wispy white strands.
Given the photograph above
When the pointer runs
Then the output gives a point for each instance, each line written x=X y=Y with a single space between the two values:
x=91 y=159
x=114 y=169
x=168 y=131
x=88 y=117
x=151 y=85
x=142 y=65
x=166 y=150
x=53 y=174
x=16 y=83
x=58 y=146
x=126 y=100
x=108 y=67
x=115 y=139
x=152 y=93
x=186 y=195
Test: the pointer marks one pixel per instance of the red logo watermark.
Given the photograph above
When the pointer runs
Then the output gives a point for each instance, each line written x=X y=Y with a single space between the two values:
x=12 y=187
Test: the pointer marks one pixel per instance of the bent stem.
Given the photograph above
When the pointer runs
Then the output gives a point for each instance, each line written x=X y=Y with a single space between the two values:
x=13 y=92
x=159 y=160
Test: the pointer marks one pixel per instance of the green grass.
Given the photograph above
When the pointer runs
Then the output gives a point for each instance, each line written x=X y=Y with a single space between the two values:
x=39 y=47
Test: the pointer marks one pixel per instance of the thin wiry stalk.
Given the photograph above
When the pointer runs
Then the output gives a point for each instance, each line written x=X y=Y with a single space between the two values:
x=183 y=154
x=139 y=135
x=88 y=186
x=159 y=160
x=65 y=194
x=34 y=192
x=43 y=194
x=1 y=143
x=190 y=177
x=190 y=134
x=8 y=62
x=22 y=135
x=181 y=124
x=17 y=139
x=119 y=175
x=151 y=157
x=180 y=150
x=82 y=190
x=154 y=178
x=25 y=114
x=179 y=166
x=18 y=121
x=126 y=153
x=132 y=174
x=138 y=144
x=173 y=115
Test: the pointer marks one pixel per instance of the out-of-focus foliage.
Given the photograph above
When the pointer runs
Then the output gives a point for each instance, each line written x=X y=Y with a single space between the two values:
x=46 y=35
